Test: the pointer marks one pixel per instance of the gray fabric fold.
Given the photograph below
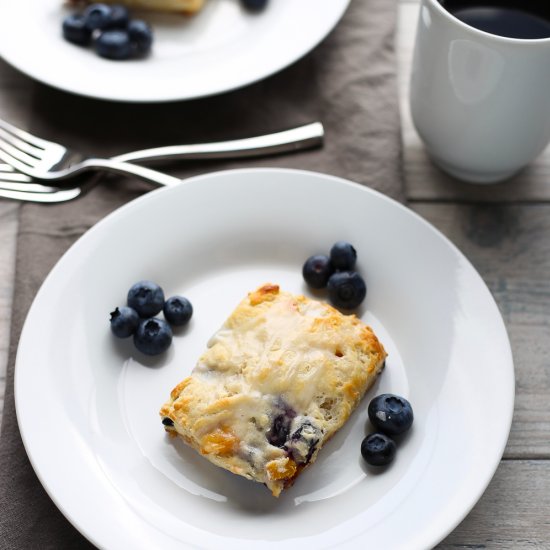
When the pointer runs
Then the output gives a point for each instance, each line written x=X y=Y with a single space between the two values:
x=348 y=82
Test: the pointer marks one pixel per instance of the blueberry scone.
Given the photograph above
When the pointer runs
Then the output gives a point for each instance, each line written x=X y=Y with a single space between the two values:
x=181 y=6
x=277 y=380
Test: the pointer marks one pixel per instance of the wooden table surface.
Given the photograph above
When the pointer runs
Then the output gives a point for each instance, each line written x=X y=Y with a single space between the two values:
x=504 y=230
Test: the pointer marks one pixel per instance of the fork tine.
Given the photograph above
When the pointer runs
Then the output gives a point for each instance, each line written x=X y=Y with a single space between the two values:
x=25 y=136
x=62 y=195
x=8 y=172
x=20 y=144
x=6 y=185
x=19 y=160
x=15 y=176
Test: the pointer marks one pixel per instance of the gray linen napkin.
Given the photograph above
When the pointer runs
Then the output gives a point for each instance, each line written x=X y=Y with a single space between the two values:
x=348 y=82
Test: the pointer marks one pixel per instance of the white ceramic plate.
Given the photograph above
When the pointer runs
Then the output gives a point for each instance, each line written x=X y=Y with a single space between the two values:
x=87 y=403
x=221 y=48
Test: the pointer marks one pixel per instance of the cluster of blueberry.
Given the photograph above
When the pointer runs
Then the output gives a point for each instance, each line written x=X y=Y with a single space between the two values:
x=391 y=415
x=110 y=31
x=346 y=288
x=152 y=335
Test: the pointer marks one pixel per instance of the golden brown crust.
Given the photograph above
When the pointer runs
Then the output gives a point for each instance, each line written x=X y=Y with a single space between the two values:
x=278 y=379
x=175 y=6
x=264 y=293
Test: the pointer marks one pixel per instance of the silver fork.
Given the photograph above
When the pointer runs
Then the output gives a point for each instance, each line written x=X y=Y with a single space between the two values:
x=27 y=156
x=17 y=186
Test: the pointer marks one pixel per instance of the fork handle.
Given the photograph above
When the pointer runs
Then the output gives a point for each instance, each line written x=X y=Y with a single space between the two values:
x=302 y=137
x=127 y=169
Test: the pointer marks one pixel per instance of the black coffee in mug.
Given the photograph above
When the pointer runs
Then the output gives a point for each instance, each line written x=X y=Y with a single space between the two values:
x=527 y=19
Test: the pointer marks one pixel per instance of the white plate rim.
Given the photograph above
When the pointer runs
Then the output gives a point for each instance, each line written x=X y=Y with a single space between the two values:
x=438 y=534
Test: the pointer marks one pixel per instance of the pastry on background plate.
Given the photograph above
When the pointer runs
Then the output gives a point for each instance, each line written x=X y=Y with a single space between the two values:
x=278 y=379
x=181 y=6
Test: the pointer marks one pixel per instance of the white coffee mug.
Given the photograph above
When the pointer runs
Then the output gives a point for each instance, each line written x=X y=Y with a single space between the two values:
x=480 y=102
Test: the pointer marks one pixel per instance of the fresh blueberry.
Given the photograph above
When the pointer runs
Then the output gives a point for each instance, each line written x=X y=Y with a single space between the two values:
x=75 y=30
x=378 y=449
x=146 y=297
x=316 y=271
x=343 y=256
x=391 y=414
x=113 y=44
x=346 y=289
x=141 y=36
x=153 y=336
x=97 y=16
x=119 y=17
x=124 y=321
x=178 y=310
x=254 y=5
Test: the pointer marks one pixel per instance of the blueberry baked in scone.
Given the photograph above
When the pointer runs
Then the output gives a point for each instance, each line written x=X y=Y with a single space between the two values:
x=277 y=380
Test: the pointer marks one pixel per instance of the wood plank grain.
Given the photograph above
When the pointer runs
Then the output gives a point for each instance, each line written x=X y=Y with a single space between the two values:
x=424 y=180
x=513 y=512
x=8 y=230
x=15 y=101
x=510 y=247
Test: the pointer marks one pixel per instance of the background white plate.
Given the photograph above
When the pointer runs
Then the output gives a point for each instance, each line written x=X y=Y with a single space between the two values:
x=87 y=403
x=219 y=49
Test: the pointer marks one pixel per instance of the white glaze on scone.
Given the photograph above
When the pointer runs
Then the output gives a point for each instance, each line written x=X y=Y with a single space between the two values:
x=278 y=379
